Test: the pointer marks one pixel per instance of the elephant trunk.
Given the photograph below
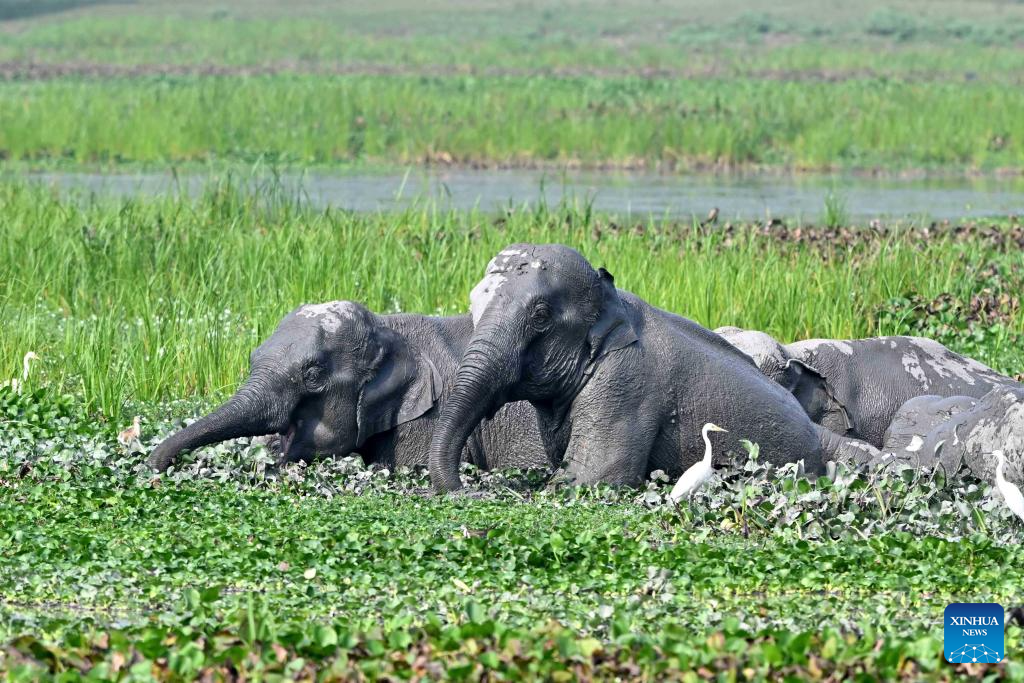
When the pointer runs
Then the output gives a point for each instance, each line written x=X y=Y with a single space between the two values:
x=845 y=449
x=485 y=371
x=252 y=411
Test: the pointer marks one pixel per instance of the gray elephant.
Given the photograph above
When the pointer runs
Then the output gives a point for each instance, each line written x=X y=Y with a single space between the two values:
x=961 y=432
x=335 y=378
x=854 y=387
x=622 y=388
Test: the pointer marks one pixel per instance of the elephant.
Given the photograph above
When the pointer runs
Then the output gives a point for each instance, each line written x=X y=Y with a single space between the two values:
x=959 y=432
x=854 y=387
x=621 y=388
x=335 y=378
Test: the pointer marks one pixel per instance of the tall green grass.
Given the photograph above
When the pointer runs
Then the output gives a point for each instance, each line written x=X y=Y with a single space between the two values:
x=691 y=83
x=835 y=214
x=146 y=299
x=695 y=82
x=330 y=119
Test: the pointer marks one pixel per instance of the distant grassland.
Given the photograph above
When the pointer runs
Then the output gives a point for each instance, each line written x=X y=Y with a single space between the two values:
x=802 y=85
x=512 y=120
x=908 y=35
x=133 y=301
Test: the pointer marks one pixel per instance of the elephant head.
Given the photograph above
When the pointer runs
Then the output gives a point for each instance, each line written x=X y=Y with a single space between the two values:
x=768 y=355
x=542 y=317
x=961 y=431
x=329 y=377
x=807 y=384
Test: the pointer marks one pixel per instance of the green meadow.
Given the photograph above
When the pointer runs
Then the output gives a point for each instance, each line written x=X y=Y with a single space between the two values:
x=683 y=86
x=514 y=121
x=141 y=300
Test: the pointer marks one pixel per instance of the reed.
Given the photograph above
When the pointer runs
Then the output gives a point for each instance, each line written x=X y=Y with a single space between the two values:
x=620 y=122
x=137 y=300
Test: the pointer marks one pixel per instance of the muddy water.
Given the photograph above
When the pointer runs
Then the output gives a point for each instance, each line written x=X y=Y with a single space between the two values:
x=747 y=197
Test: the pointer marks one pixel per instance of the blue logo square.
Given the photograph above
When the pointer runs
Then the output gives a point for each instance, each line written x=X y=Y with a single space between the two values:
x=973 y=632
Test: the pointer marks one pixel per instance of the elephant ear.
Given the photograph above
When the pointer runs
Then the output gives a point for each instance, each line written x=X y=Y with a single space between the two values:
x=404 y=385
x=814 y=392
x=612 y=330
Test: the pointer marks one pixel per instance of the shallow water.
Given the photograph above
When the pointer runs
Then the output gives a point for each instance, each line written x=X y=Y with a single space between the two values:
x=748 y=197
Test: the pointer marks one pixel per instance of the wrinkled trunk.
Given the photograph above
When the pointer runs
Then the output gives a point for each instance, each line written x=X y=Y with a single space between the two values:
x=487 y=368
x=845 y=449
x=252 y=411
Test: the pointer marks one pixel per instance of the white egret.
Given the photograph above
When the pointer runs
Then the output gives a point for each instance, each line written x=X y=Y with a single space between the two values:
x=1011 y=493
x=26 y=366
x=697 y=474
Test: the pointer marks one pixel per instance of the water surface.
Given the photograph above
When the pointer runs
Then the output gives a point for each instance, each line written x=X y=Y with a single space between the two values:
x=746 y=197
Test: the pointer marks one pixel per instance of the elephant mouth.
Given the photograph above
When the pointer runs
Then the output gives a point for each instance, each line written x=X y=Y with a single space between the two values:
x=287 y=438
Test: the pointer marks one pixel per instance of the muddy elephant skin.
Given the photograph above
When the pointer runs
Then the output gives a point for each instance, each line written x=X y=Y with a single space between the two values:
x=335 y=378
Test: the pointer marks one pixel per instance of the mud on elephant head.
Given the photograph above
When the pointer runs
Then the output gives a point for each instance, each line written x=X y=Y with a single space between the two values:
x=621 y=387
x=328 y=378
x=961 y=432
x=808 y=385
x=533 y=348
x=854 y=387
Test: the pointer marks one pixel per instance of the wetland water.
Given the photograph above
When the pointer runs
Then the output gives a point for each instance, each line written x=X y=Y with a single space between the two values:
x=747 y=197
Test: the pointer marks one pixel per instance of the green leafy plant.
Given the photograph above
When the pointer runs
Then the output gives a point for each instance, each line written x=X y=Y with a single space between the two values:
x=835 y=211
x=38 y=414
x=978 y=323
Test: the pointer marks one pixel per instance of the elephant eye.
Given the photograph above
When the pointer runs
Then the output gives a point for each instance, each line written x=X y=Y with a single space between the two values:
x=314 y=377
x=540 y=317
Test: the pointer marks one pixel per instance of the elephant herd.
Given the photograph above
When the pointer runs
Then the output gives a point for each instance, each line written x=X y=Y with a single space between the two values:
x=557 y=368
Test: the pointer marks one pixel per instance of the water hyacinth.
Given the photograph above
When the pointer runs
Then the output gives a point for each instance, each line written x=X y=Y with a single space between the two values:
x=749 y=498
x=227 y=537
